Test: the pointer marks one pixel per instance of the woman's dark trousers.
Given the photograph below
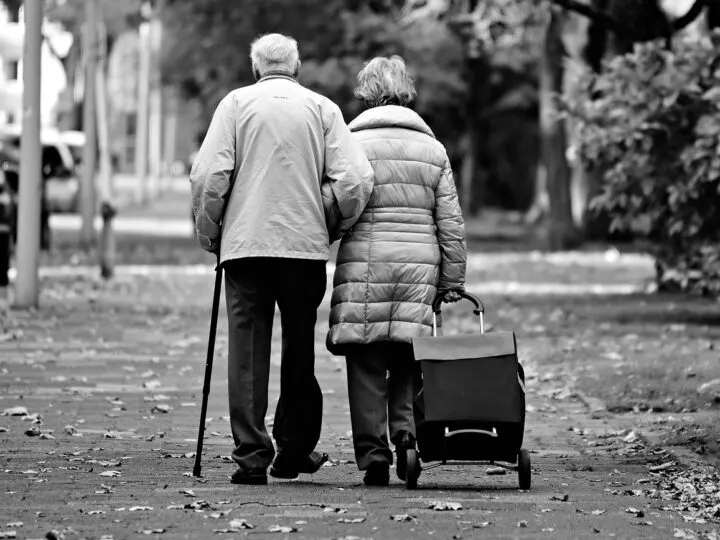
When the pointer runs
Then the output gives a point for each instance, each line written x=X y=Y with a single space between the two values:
x=381 y=382
x=253 y=286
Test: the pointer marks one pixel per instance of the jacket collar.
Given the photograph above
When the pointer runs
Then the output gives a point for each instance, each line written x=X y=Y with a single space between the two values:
x=277 y=75
x=390 y=116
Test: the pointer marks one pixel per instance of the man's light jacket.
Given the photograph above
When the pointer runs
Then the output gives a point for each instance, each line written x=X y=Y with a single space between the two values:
x=259 y=174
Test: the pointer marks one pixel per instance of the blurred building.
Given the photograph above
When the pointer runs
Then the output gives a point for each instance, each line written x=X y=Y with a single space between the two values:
x=54 y=79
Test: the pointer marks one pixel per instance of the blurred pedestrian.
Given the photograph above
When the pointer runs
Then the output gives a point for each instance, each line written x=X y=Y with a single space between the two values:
x=407 y=248
x=256 y=185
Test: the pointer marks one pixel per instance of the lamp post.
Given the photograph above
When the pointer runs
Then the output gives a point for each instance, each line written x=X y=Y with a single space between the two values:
x=27 y=289
x=89 y=165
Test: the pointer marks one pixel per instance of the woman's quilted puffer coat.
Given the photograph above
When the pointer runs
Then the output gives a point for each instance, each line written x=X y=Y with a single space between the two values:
x=409 y=243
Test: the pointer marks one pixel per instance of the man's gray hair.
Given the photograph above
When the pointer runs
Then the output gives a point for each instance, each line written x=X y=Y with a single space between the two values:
x=385 y=81
x=275 y=52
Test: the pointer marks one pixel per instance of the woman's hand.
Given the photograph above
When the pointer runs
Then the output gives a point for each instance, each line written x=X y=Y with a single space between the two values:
x=451 y=297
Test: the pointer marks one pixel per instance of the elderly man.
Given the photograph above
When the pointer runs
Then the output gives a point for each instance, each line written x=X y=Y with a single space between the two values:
x=272 y=154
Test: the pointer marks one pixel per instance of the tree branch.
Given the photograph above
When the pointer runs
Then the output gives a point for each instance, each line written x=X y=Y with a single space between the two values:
x=583 y=9
x=692 y=14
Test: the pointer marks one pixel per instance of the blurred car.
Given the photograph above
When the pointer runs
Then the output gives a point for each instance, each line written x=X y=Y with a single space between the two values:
x=61 y=182
x=9 y=167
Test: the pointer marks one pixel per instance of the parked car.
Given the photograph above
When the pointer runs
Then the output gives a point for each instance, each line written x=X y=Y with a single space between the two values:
x=60 y=185
x=61 y=182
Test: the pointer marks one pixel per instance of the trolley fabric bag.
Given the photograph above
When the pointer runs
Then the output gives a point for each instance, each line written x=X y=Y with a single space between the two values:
x=471 y=377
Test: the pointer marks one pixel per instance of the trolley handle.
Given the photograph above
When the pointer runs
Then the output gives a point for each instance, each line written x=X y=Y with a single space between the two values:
x=479 y=307
x=479 y=311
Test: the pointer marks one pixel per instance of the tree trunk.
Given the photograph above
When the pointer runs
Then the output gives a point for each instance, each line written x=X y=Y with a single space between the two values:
x=561 y=233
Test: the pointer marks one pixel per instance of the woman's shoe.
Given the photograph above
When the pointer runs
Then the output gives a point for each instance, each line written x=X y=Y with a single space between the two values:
x=377 y=474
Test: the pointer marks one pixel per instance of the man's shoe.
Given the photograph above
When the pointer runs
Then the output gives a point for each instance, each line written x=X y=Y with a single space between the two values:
x=377 y=474
x=250 y=477
x=289 y=467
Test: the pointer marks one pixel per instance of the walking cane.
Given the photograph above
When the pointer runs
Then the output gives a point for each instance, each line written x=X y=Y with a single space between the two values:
x=208 y=367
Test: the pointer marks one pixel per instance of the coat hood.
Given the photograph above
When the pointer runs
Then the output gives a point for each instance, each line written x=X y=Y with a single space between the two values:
x=392 y=116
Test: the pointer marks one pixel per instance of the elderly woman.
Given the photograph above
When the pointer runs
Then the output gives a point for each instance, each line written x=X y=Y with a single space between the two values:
x=407 y=248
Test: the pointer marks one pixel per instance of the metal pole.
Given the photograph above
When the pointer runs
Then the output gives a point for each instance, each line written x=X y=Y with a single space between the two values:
x=89 y=165
x=141 y=136
x=27 y=290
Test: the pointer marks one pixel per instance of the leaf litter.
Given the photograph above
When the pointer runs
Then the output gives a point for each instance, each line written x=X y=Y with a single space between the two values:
x=694 y=493
x=444 y=506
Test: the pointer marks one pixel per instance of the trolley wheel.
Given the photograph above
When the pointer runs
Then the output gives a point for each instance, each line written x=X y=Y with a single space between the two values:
x=412 y=469
x=523 y=467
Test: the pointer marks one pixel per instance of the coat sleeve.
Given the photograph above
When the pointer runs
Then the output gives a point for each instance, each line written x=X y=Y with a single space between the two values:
x=211 y=176
x=450 y=233
x=347 y=170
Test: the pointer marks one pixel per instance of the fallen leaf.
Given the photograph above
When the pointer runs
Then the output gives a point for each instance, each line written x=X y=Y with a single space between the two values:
x=161 y=407
x=151 y=385
x=663 y=467
x=112 y=474
x=631 y=437
x=598 y=512
x=188 y=492
x=635 y=511
x=197 y=505
x=140 y=508
x=351 y=520
x=218 y=515
x=15 y=411
x=481 y=525
x=402 y=517
x=239 y=524
x=153 y=531
x=95 y=512
x=282 y=529
x=564 y=498
x=441 y=506
x=496 y=471
x=335 y=510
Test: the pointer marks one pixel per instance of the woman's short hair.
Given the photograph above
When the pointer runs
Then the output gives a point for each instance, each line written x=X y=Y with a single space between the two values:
x=275 y=52
x=385 y=81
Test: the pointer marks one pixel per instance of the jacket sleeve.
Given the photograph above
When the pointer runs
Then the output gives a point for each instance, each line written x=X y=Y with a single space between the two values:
x=347 y=170
x=211 y=176
x=332 y=211
x=450 y=233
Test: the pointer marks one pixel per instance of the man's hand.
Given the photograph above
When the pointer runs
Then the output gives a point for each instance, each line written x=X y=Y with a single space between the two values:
x=451 y=297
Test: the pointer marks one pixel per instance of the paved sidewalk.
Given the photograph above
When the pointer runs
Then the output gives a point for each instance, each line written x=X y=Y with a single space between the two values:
x=114 y=377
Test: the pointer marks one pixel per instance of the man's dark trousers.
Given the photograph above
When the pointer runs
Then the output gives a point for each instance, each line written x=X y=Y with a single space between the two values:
x=252 y=287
